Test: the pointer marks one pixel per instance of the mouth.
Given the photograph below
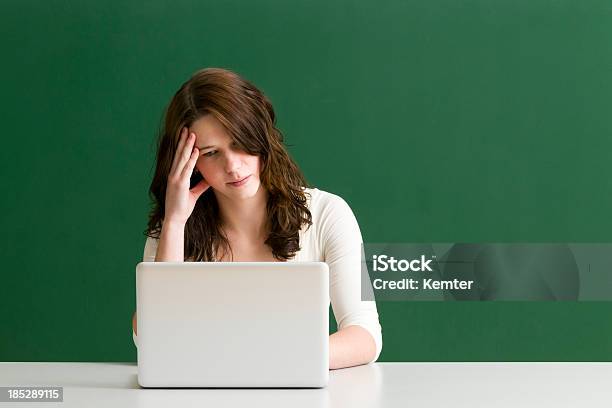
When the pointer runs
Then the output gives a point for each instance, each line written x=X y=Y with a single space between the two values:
x=240 y=182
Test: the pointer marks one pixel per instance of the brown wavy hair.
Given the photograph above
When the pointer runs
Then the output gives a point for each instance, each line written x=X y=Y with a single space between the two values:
x=248 y=116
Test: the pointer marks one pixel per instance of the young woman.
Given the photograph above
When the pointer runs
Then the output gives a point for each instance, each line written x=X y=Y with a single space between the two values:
x=225 y=189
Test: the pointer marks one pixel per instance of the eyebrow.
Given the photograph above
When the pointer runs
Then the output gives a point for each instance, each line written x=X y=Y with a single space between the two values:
x=204 y=147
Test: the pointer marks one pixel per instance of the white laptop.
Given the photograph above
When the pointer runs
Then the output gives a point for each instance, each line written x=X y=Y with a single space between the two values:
x=233 y=324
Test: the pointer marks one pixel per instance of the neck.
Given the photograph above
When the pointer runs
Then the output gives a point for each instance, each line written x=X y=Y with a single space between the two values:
x=245 y=218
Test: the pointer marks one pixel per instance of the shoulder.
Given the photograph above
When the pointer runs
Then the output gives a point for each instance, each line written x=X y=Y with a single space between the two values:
x=331 y=215
x=323 y=203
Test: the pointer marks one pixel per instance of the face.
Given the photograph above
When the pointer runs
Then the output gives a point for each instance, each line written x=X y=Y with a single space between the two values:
x=221 y=162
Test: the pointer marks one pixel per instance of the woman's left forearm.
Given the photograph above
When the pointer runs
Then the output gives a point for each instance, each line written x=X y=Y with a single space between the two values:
x=351 y=346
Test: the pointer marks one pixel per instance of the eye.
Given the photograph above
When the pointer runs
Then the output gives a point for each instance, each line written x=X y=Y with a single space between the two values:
x=209 y=154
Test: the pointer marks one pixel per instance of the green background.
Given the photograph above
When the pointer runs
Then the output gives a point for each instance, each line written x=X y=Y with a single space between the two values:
x=436 y=120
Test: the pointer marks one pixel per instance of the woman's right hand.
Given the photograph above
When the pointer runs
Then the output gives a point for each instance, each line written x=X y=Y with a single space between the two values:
x=180 y=200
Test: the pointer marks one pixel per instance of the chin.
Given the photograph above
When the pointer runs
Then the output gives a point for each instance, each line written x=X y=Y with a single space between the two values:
x=248 y=191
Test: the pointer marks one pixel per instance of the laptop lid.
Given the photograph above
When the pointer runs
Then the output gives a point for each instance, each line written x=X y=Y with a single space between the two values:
x=233 y=324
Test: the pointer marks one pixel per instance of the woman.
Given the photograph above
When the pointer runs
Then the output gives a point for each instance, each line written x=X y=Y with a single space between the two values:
x=225 y=189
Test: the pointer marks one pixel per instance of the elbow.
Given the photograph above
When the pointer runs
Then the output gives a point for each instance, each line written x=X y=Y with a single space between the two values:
x=371 y=344
x=134 y=324
x=134 y=330
x=375 y=344
x=374 y=336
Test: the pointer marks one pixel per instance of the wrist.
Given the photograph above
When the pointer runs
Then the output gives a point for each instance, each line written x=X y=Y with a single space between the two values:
x=173 y=223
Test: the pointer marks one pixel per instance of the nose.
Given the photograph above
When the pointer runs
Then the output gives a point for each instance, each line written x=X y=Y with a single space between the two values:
x=233 y=162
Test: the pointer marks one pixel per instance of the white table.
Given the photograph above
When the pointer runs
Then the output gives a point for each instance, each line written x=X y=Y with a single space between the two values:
x=376 y=385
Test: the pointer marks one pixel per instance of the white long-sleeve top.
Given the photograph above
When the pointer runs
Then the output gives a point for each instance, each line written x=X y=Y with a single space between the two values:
x=334 y=238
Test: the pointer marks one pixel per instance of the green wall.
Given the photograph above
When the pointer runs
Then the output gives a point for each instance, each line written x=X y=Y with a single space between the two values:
x=437 y=121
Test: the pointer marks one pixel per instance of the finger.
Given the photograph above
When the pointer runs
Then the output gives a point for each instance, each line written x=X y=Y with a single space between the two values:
x=186 y=154
x=179 y=149
x=199 y=188
x=191 y=162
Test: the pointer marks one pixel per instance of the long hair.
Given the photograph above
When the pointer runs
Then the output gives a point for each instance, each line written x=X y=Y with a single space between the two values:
x=248 y=116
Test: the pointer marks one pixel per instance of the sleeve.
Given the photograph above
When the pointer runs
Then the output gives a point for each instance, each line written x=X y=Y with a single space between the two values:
x=150 y=250
x=341 y=244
